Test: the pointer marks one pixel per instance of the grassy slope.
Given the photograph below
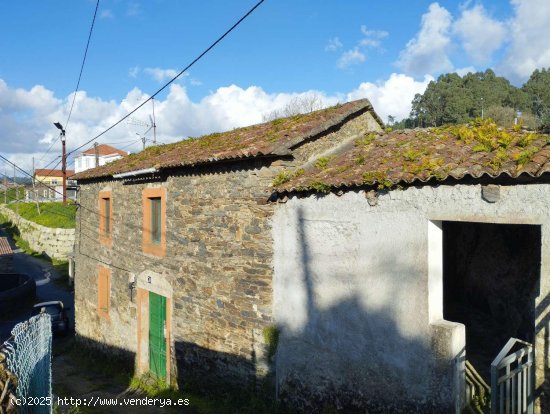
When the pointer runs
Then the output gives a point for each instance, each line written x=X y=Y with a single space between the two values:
x=54 y=214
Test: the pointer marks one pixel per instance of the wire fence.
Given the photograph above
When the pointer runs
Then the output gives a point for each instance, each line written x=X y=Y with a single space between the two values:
x=28 y=356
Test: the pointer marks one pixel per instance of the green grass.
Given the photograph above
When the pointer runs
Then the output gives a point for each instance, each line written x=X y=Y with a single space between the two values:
x=53 y=214
x=12 y=194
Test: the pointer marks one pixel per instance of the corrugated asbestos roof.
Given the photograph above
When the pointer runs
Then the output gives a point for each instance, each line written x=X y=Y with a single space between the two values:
x=405 y=157
x=270 y=138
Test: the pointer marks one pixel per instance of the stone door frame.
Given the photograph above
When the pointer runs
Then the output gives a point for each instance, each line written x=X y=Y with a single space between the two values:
x=149 y=281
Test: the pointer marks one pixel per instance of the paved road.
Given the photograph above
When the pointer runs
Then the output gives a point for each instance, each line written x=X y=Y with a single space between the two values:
x=44 y=275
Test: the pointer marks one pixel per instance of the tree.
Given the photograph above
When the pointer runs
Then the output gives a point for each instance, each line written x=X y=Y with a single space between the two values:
x=454 y=99
x=537 y=89
x=302 y=104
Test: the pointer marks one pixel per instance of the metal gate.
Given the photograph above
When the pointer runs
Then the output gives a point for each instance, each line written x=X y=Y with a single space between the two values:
x=512 y=379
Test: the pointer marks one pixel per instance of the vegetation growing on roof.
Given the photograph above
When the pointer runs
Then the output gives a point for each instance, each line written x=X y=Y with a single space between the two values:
x=286 y=176
x=412 y=154
x=387 y=160
x=322 y=162
x=320 y=187
x=525 y=156
x=366 y=140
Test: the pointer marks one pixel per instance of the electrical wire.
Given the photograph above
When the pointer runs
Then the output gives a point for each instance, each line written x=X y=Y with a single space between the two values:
x=82 y=66
x=174 y=78
x=46 y=153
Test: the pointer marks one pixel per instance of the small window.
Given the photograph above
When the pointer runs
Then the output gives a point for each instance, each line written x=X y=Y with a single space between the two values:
x=156 y=218
x=105 y=218
x=103 y=291
x=154 y=221
x=54 y=182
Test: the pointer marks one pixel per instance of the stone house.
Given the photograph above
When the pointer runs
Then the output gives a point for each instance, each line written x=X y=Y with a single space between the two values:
x=174 y=250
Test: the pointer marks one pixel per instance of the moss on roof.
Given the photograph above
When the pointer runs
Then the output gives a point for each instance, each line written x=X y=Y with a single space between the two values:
x=386 y=160
x=270 y=138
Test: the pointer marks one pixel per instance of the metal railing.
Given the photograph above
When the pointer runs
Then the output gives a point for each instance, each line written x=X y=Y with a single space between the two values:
x=478 y=392
x=512 y=379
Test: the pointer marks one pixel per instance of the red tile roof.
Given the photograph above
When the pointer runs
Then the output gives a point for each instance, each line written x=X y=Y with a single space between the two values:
x=405 y=157
x=270 y=138
x=44 y=172
x=104 y=149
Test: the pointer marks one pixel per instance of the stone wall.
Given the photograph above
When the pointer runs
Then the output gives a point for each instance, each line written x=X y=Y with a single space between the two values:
x=56 y=243
x=217 y=267
x=358 y=294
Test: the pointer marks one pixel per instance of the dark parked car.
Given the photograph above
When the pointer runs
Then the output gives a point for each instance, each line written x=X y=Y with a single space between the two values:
x=58 y=313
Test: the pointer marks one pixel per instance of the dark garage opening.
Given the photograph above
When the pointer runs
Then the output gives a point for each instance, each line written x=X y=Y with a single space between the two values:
x=491 y=276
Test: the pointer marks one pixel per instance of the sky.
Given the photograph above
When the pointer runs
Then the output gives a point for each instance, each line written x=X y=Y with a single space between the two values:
x=335 y=50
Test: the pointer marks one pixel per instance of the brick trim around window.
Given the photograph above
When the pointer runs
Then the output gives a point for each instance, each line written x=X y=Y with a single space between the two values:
x=106 y=218
x=150 y=245
x=103 y=291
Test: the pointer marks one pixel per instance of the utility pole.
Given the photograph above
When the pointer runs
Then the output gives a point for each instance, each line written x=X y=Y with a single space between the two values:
x=63 y=160
x=34 y=188
x=481 y=108
x=16 y=192
x=154 y=125
x=96 y=154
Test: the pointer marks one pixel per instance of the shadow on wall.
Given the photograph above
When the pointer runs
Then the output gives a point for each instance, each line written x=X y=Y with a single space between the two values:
x=351 y=359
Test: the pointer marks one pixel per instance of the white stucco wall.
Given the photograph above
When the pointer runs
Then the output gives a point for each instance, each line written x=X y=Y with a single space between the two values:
x=357 y=289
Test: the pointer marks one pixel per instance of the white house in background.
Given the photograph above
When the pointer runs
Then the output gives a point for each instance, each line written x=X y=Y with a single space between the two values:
x=105 y=154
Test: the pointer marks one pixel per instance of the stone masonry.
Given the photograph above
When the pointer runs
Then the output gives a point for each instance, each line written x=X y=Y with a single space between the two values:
x=56 y=243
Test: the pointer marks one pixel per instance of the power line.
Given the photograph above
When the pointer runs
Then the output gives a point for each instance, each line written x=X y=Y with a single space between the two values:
x=227 y=32
x=46 y=153
x=174 y=78
x=82 y=65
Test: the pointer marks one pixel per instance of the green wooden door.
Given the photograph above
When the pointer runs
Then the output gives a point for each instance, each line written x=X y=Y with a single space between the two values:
x=157 y=339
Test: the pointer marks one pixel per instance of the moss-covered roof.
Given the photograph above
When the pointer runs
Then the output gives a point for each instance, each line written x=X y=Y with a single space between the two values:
x=402 y=157
x=271 y=138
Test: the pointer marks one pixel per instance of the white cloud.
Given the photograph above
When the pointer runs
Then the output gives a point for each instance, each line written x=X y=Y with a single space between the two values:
x=106 y=14
x=372 y=38
x=333 y=45
x=428 y=52
x=351 y=57
x=161 y=75
x=480 y=34
x=464 y=71
x=529 y=48
x=27 y=117
x=391 y=97
x=134 y=9
x=133 y=72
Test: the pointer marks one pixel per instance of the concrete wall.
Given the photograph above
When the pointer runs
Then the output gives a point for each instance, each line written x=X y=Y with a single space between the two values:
x=358 y=294
x=57 y=243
